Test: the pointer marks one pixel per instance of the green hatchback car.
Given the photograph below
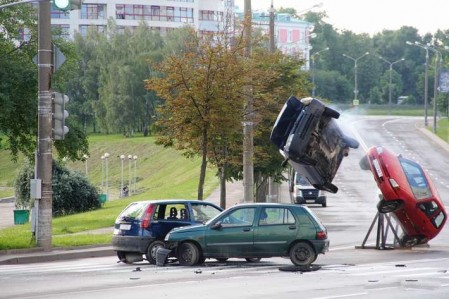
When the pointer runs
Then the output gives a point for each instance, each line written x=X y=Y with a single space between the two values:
x=252 y=231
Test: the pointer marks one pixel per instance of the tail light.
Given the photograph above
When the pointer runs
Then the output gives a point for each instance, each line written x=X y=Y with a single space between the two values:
x=321 y=235
x=146 y=218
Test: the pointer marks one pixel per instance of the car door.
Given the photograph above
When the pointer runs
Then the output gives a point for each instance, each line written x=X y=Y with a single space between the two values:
x=234 y=234
x=275 y=229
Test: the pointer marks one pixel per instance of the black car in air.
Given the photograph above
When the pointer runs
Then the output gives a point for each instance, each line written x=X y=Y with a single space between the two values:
x=308 y=136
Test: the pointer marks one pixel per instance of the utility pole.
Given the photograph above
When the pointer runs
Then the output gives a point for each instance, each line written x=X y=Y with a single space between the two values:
x=44 y=138
x=272 y=43
x=248 y=145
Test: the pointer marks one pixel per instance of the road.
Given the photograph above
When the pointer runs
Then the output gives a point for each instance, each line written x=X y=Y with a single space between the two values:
x=345 y=271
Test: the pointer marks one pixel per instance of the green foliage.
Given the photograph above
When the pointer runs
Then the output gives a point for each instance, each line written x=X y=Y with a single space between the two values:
x=23 y=200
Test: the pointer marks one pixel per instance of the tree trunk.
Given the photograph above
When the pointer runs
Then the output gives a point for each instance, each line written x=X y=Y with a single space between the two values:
x=203 y=165
x=223 y=186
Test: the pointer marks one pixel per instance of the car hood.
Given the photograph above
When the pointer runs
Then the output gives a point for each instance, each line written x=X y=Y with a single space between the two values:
x=190 y=228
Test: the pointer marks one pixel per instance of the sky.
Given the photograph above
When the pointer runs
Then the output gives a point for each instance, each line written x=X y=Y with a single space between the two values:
x=371 y=16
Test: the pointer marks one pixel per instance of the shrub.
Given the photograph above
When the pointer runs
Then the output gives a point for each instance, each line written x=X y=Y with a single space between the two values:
x=72 y=192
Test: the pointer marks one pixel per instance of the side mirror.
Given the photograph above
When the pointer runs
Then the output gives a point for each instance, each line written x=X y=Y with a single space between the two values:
x=217 y=225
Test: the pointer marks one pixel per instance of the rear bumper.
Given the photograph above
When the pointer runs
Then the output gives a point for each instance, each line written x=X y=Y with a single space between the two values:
x=131 y=243
x=321 y=246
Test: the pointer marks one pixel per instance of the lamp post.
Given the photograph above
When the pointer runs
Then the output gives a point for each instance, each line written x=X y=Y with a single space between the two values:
x=106 y=156
x=130 y=158
x=356 y=91
x=390 y=84
x=85 y=157
x=135 y=173
x=122 y=158
x=425 y=47
x=312 y=58
x=102 y=173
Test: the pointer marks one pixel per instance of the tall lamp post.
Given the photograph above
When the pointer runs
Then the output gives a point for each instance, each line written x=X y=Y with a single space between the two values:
x=135 y=173
x=102 y=173
x=312 y=58
x=85 y=157
x=390 y=83
x=356 y=91
x=425 y=47
x=130 y=158
x=122 y=158
x=106 y=157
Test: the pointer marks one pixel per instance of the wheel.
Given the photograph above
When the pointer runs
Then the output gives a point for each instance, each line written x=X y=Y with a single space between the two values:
x=201 y=260
x=324 y=204
x=152 y=250
x=253 y=259
x=407 y=241
x=388 y=206
x=122 y=257
x=364 y=163
x=188 y=254
x=331 y=113
x=222 y=259
x=302 y=254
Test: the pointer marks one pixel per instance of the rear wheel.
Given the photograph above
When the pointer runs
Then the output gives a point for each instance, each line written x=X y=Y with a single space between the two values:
x=253 y=259
x=324 y=204
x=364 y=163
x=188 y=254
x=302 y=254
x=152 y=251
x=389 y=206
x=122 y=257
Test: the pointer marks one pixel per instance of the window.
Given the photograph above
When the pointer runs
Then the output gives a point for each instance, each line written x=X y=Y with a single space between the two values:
x=93 y=11
x=239 y=217
x=276 y=216
x=416 y=179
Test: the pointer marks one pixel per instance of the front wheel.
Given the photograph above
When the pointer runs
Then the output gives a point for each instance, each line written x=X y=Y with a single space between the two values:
x=152 y=251
x=253 y=259
x=188 y=254
x=302 y=254
x=407 y=241
x=389 y=206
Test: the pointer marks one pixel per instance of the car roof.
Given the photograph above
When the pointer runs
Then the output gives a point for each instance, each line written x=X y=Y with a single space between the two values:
x=266 y=204
x=162 y=201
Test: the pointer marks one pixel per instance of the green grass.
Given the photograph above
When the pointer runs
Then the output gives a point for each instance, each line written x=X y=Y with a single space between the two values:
x=162 y=173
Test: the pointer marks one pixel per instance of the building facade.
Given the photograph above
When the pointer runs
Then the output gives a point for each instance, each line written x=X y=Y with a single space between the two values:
x=159 y=15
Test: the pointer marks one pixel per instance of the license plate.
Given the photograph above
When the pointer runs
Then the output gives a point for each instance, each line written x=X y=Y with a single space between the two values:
x=125 y=226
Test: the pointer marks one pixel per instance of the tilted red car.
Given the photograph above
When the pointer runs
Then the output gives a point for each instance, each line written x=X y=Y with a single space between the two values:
x=408 y=193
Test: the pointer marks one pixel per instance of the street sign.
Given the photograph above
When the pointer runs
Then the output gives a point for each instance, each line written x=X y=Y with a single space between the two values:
x=57 y=59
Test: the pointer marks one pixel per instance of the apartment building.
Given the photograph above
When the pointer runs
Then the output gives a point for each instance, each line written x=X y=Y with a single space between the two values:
x=160 y=15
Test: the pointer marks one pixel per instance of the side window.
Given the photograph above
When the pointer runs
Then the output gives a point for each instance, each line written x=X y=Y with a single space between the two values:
x=203 y=212
x=276 y=216
x=239 y=217
x=173 y=212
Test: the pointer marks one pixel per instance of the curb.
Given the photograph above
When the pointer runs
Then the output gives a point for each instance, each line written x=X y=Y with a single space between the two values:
x=38 y=255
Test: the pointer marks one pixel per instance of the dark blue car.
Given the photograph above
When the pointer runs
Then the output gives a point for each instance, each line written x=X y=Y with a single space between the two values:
x=142 y=226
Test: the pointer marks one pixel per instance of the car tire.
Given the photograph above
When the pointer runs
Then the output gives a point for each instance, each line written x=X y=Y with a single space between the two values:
x=222 y=259
x=122 y=257
x=364 y=163
x=331 y=113
x=253 y=259
x=408 y=241
x=152 y=251
x=302 y=254
x=324 y=204
x=188 y=254
x=389 y=206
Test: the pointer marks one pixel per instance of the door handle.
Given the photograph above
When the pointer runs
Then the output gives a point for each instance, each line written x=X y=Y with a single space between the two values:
x=292 y=227
x=247 y=229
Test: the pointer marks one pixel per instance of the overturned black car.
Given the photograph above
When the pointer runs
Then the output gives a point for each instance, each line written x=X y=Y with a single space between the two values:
x=308 y=136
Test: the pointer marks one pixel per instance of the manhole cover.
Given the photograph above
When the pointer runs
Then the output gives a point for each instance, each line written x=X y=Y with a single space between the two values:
x=300 y=268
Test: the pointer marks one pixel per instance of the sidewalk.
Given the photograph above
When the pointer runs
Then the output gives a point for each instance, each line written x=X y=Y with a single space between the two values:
x=234 y=195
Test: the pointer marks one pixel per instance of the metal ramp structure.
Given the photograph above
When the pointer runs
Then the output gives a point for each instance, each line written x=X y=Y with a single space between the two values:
x=383 y=225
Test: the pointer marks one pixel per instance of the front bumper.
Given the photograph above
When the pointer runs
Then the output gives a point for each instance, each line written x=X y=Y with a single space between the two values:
x=131 y=243
x=317 y=200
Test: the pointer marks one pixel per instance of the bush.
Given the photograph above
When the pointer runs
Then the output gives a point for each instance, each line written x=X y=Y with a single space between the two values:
x=72 y=192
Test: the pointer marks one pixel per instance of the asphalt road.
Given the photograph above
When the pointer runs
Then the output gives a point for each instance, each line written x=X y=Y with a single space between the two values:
x=346 y=271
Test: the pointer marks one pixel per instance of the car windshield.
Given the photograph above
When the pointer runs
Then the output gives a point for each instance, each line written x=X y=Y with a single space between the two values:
x=416 y=179
x=301 y=180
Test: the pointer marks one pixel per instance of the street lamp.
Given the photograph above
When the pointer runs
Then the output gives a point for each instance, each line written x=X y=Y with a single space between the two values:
x=130 y=157
x=312 y=58
x=106 y=156
x=85 y=157
x=389 y=84
x=102 y=173
x=122 y=157
x=425 y=47
x=356 y=91
x=135 y=173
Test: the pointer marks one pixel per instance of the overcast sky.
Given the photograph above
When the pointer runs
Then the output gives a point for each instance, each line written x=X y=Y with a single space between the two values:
x=371 y=16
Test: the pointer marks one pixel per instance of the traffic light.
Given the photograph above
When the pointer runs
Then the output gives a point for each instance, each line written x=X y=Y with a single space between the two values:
x=59 y=115
x=68 y=4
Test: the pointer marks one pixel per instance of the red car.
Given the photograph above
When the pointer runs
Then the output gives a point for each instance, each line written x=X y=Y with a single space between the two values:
x=408 y=193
